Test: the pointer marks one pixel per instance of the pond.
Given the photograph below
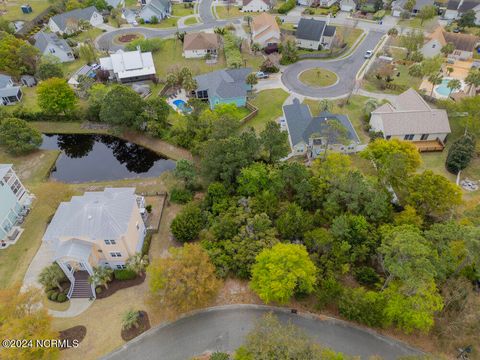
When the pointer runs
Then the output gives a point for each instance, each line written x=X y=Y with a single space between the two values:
x=87 y=157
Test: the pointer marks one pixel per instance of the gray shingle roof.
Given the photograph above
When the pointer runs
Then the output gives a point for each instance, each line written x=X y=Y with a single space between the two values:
x=329 y=30
x=79 y=14
x=301 y=124
x=159 y=7
x=96 y=215
x=4 y=80
x=43 y=39
x=225 y=84
x=468 y=5
x=310 y=29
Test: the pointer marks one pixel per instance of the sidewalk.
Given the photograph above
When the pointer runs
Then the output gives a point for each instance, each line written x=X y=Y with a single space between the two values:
x=77 y=306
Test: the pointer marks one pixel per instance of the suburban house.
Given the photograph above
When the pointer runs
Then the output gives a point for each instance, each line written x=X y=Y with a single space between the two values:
x=325 y=3
x=159 y=9
x=464 y=44
x=456 y=8
x=70 y=22
x=398 y=6
x=256 y=5
x=128 y=66
x=348 y=5
x=9 y=92
x=116 y=3
x=226 y=86
x=130 y=16
x=314 y=34
x=311 y=135
x=51 y=44
x=305 y=2
x=15 y=202
x=199 y=45
x=265 y=31
x=411 y=118
x=102 y=228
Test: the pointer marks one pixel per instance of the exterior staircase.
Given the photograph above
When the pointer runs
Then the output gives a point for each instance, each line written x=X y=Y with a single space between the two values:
x=81 y=287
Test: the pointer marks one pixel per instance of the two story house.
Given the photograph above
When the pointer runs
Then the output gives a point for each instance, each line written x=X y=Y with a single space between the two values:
x=102 y=228
x=71 y=21
x=314 y=34
x=51 y=44
x=265 y=31
x=15 y=202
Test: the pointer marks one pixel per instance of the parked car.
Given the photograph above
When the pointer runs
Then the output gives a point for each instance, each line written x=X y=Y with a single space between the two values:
x=261 y=75
x=368 y=54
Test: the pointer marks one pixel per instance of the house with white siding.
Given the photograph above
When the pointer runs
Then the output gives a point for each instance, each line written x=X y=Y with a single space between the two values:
x=51 y=44
x=456 y=8
x=256 y=5
x=160 y=9
x=201 y=44
x=128 y=66
x=71 y=21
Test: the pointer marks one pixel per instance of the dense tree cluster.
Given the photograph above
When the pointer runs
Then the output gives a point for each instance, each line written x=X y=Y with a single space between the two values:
x=17 y=136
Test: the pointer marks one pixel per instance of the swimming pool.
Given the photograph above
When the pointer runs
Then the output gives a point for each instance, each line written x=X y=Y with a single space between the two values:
x=182 y=105
x=443 y=89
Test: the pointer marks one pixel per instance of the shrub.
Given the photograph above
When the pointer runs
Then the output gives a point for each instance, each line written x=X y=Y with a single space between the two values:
x=379 y=15
x=188 y=223
x=366 y=276
x=460 y=154
x=231 y=49
x=148 y=208
x=181 y=196
x=130 y=319
x=219 y=356
x=124 y=274
x=146 y=243
x=98 y=289
x=363 y=306
x=62 y=298
x=328 y=291
x=269 y=66
x=146 y=45
x=53 y=295
x=286 y=6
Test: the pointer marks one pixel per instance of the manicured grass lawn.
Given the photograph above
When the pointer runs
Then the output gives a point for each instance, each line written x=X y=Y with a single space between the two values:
x=318 y=77
x=416 y=23
x=223 y=12
x=91 y=34
x=63 y=127
x=131 y=3
x=165 y=23
x=70 y=67
x=29 y=99
x=349 y=35
x=191 y=21
x=287 y=26
x=405 y=80
x=14 y=11
x=180 y=10
x=354 y=111
x=269 y=104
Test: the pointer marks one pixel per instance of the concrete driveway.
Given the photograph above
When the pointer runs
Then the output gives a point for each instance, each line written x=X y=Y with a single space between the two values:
x=224 y=329
x=346 y=70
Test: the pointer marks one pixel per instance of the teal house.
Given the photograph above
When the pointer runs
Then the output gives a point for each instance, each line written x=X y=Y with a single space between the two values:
x=226 y=86
x=14 y=204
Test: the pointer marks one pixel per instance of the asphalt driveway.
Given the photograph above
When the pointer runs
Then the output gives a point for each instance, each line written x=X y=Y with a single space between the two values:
x=224 y=329
x=346 y=70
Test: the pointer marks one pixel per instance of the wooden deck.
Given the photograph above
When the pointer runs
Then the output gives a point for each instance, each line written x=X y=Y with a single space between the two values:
x=429 y=145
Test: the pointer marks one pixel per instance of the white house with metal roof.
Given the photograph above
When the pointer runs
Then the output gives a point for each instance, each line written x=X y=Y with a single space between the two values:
x=51 y=44
x=128 y=66
x=15 y=202
x=410 y=118
x=101 y=228
x=10 y=94
x=70 y=21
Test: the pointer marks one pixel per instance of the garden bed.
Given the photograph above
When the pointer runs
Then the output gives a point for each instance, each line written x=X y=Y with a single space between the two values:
x=133 y=332
x=127 y=38
x=77 y=333
x=115 y=285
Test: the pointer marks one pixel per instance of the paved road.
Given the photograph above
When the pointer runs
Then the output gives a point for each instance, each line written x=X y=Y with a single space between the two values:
x=224 y=329
x=346 y=70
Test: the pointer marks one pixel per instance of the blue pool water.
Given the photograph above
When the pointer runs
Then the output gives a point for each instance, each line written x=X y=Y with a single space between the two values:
x=443 y=89
x=182 y=105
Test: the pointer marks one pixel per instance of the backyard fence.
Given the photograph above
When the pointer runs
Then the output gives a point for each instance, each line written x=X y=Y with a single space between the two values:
x=253 y=113
x=29 y=28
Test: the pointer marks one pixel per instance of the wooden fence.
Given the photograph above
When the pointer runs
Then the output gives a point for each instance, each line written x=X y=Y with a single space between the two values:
x=253 y=113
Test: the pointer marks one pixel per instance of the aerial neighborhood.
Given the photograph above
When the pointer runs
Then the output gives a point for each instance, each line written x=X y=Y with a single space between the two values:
x=240 y=180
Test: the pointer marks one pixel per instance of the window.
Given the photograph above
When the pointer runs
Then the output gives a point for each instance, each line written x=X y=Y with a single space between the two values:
x=121 y=267
x=115 y=254
x=408 y=137
x=52 y=51
x=110 y=242
x=424 y=137
x=16 y=186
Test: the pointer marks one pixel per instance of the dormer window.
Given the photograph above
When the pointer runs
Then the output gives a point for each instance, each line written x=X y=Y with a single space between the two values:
x=110 y=242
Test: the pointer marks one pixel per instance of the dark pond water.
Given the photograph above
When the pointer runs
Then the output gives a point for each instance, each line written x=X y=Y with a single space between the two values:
x=88 y=157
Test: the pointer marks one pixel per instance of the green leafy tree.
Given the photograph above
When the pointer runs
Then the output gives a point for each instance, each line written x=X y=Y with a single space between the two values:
x=101 y=276
x=293 y=222
x=289 y=53
x=251 y=79
x=454 y=84
x=256 y=178
x=157 y=111
x=274 y=142
x=394 y=160
x=460 y=153
x=467 y=19
x=185 y=171
x=432 y=195
x=364 y=306
x=187 y=224
x=49 y=67
x=410 y=5
x=122 y=106
x=87 y=53
x=6 y=26
x=17 y=56
x=412 y=40
x=283 y=271
x=447 y=49
x=473 y=77
x=137 y=263
x=184 y=280
x=96 y=96
x=56 y=97
x=18 y=137
x=427 y=12
x=432 y=66
x=51 y=277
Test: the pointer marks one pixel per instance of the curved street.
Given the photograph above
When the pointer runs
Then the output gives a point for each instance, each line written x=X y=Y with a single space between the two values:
x=224 y=329
x=346 y=70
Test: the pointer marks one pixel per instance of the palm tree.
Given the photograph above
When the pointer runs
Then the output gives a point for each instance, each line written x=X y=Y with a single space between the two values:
x=137 y=263
x=324 y=105
x=251 y=79
x=453 y=85
x=51 y=276
x=435 y=79
x=130 y=319
x=473 y=78
x=101 y=276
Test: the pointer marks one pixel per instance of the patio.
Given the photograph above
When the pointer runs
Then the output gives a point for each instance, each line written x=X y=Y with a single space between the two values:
x=458 y=70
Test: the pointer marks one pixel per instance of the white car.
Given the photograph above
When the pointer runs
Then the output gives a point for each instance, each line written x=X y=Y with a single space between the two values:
x=368 y=54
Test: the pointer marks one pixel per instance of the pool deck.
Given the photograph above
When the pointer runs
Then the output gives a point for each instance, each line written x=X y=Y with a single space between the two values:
x=179 y=95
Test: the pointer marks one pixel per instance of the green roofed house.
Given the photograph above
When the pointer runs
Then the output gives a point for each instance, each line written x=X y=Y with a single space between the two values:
x=226 y=86
x=310 y=135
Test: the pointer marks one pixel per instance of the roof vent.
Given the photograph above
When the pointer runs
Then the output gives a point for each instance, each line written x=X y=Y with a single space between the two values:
x=90 y=217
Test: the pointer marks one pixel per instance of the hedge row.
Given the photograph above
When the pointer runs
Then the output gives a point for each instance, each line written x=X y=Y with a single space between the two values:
x=231 y=48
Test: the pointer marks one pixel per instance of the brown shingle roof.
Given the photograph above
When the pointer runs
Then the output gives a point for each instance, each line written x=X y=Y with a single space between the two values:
x=464 y=42
x=200 y=41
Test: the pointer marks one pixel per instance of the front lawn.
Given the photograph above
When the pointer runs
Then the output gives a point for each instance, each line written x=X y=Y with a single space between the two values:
x=318 y=77
x=90 y=34
x=165 y=23
x=14 y=10
x=191 y=21
x=404 y=81
x=225 y=12
x=181 y=10
x=416 y=23
x=269 y=104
